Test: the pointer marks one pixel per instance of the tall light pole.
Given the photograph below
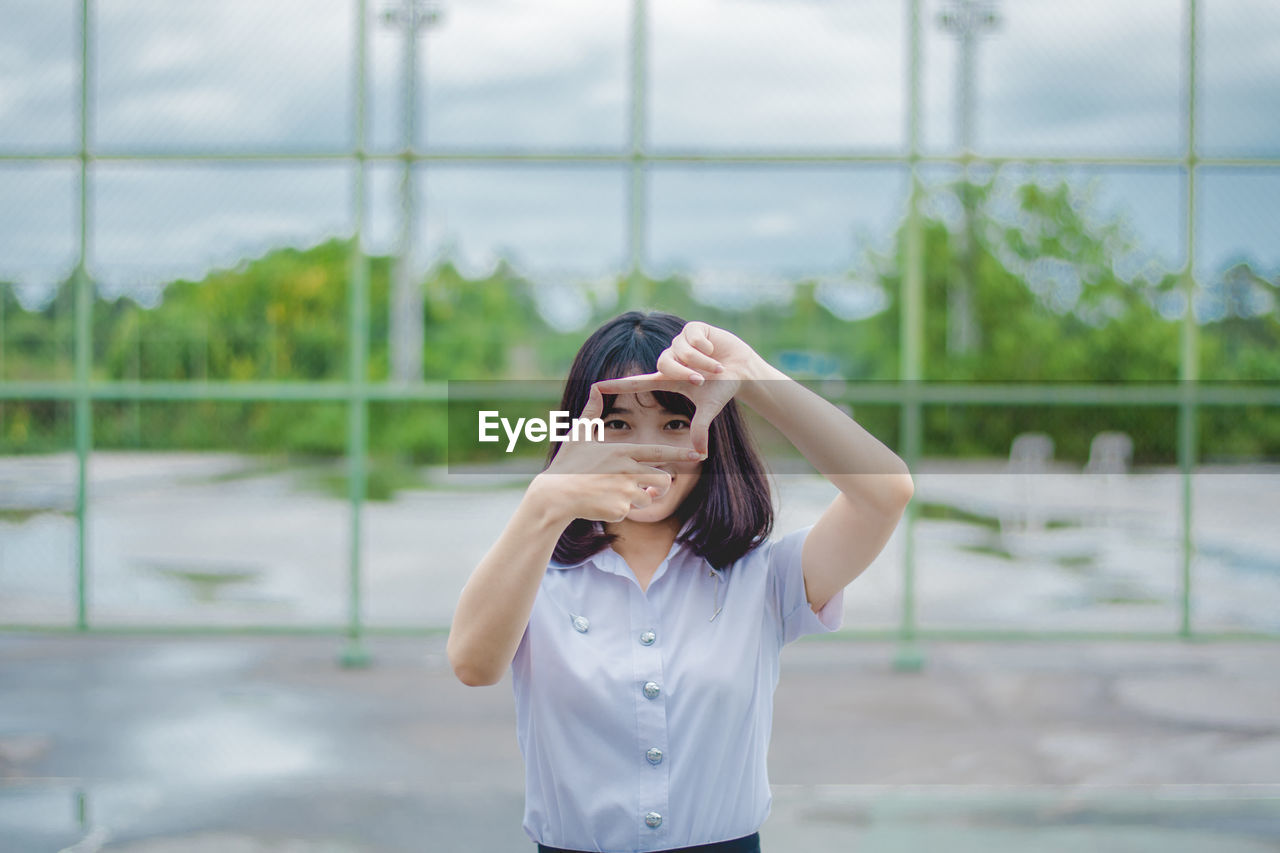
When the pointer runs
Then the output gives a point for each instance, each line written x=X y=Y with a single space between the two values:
x=967 y=20
x=406 y=304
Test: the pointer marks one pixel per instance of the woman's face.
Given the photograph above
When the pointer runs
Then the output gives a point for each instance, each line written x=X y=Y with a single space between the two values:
x=640 y=419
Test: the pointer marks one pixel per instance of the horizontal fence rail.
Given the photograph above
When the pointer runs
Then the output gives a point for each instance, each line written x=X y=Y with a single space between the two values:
x=627 y=158
x=889 y=392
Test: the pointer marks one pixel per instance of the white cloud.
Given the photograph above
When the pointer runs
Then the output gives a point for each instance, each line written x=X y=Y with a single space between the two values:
x=747 y=74
x=39 y=69
x=201 y=75
x=546 y=221
x=495 y=41
x=796 y=222
x=178 y=51
x=510 y=74
x=773 y=224
x=158 y=223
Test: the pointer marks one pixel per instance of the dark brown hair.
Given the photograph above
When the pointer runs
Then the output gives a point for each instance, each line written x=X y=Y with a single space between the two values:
x=731 y=507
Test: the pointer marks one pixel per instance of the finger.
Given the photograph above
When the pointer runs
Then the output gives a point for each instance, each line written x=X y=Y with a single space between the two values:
x=642 y=498
x=654 y=478
x=698 y=334
x=700 y=430
x=653 y=493
x=690 y=357
x=642 y=382
x=658 y=452
x=670 y=365
x=595 y=403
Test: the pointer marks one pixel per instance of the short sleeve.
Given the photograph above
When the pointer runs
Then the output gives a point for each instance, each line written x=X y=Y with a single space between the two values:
x=786 y=579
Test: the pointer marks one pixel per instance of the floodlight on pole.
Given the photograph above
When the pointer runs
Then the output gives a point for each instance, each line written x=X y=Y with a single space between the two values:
x=967 y=20
x=405 y=332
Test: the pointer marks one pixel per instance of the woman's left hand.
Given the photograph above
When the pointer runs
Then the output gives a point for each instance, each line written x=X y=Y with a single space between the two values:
x=699 y=353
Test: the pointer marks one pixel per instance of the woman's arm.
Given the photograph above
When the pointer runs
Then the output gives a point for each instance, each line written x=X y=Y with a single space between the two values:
x=593 y=480
x=875 y=485
x=495 y=604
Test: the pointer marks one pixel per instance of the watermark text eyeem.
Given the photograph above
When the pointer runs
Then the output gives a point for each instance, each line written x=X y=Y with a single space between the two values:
x=560 y=427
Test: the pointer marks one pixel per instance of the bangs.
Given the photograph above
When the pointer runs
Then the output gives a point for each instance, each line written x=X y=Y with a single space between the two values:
x=676 y=404
x=620 y=365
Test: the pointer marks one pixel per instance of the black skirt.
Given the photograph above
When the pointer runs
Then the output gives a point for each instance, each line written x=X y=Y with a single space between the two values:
x=746 y=844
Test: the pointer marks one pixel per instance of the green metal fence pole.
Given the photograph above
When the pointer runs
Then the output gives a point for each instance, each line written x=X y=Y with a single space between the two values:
x=909 y=656
x=1190 y=356
x=355 y=654
x=633 y=290
x=83 y=341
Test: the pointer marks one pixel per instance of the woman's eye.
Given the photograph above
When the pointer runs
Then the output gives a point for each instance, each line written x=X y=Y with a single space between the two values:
x=677 y=424
x=614 y=423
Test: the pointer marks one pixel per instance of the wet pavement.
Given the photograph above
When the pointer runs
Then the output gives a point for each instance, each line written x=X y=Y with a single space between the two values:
x=227 y=540
x=153 y=743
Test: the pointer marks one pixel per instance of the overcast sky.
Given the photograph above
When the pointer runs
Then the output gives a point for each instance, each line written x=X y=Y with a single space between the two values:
x=1091 y=77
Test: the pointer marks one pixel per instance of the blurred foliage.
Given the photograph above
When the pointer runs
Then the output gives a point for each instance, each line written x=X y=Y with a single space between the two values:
x=1051 y=306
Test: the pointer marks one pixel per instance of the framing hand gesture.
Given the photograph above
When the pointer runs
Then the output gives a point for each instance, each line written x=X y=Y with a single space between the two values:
x=614 y=477
x=699 y=351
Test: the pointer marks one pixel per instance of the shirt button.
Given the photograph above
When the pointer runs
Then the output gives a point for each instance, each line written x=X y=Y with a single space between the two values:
x=654 y=755
x=653 y=819
x=581 y=624
x=651 y=690
x=647 y=638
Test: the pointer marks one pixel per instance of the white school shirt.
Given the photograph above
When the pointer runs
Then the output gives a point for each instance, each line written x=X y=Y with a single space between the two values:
x=643 y=722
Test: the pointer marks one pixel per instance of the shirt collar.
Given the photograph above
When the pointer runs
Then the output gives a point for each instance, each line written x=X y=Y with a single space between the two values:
x=607 y=559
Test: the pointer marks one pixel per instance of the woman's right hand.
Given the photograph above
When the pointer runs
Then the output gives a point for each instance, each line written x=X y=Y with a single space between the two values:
x=604 y=481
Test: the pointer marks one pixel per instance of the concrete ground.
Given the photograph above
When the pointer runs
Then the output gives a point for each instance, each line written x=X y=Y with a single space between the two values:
x=149 y=744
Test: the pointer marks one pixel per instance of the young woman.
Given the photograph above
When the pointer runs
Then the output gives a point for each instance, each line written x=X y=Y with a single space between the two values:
x=639 y=602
